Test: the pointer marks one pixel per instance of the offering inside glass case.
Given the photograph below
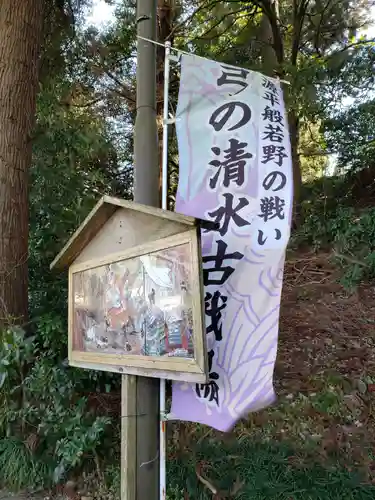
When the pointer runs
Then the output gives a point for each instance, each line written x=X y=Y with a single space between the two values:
x=140 y=306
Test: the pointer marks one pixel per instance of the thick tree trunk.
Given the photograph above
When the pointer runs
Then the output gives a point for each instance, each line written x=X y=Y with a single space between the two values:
x=21 y=23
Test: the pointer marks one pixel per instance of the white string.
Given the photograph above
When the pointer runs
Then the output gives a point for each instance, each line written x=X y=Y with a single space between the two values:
x=193 y=55
x=150 y=461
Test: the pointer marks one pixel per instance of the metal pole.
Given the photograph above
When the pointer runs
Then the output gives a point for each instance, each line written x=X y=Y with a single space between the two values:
x=140 y=395
x=165 y=126
x=163 y=440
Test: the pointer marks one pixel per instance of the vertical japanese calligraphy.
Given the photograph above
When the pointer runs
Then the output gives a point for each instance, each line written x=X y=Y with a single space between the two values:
x=273 y=151
x=230 y=166
x=235 y=172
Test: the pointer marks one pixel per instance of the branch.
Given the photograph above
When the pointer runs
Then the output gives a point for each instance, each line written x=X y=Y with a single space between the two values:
x=309 y=154
x=298 y=19
x=249 y=13
x=185 y=22
x=125 y=92
x=88 y=104
x=317 y=35
x=269 y=10
x=204 y=35
x=351 y=46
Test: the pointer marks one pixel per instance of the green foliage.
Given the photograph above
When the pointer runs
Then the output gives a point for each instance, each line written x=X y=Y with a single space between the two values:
x=15 y=351
x=247 y=469
x=332 y=222
x=312 y=149
x=316 y=46
x=82 y=149
x=43 y=413
x=109 y=485
x=351 y=135
x=46 y=427
x=175 y=493
x=19 y=469
x=74 y=163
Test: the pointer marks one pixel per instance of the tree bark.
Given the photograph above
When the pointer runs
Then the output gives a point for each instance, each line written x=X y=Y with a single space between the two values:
x=269 y=59
x=297 y=175
x=21 y=24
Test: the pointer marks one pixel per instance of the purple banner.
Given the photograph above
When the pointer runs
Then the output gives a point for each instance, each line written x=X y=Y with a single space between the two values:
x=236 y=170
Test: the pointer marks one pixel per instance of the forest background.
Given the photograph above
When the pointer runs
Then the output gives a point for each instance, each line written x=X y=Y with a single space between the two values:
x=58 y=423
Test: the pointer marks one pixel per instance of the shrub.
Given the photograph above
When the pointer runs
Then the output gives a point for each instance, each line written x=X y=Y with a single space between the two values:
x=43 y=418
x=330 y=222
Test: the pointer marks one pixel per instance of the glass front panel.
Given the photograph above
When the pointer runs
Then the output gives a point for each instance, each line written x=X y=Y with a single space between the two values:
x=140 y=306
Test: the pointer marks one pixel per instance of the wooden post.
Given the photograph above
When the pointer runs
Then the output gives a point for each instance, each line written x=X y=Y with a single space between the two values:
x=128 y=437
x=140 y=395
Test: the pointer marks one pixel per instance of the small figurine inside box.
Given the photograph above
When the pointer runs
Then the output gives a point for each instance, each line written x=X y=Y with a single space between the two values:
x=135 y=292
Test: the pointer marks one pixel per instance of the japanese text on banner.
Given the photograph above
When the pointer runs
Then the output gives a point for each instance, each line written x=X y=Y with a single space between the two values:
x=235 y=171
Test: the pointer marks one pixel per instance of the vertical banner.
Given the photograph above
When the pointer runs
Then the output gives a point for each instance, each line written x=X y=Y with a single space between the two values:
x=235 y=170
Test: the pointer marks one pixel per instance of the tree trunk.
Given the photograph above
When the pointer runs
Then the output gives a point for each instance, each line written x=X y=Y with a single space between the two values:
x=297 y=176
x=21 y=23
x=269 y=59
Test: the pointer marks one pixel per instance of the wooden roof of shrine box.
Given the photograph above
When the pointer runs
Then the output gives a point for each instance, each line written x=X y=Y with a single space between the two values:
x=135 y=292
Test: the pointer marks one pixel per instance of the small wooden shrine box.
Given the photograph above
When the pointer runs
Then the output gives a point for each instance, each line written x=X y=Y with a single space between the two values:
x=135 y=292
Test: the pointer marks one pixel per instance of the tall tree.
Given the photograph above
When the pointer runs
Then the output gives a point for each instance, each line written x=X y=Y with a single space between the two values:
x=351 y=136
x=302 y=41
x=21 y=26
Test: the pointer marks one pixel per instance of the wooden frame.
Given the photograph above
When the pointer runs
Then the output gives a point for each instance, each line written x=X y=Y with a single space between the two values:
x=188 y=369
x=116 y=231
x=98 y=217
